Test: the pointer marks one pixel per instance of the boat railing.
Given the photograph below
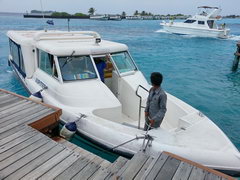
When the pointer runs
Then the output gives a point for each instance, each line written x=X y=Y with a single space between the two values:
x=140 y=103
x=53 y=35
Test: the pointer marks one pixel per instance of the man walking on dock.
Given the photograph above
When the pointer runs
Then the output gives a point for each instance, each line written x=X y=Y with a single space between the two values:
x=156 y=103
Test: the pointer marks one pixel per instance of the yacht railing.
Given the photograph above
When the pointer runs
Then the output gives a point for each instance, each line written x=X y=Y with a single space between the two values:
x=140 y=104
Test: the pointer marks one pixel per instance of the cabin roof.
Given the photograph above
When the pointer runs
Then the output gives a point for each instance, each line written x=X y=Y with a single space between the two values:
x=62 y=43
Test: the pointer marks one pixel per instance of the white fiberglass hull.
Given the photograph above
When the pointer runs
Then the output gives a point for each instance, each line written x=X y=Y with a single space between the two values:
x=195 y=137
x=201 y=32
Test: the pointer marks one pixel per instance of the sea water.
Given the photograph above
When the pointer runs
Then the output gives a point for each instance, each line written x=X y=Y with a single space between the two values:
x=196 y=70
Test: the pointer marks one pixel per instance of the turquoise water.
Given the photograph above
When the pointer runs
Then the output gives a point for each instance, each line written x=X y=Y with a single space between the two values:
x=196 y=70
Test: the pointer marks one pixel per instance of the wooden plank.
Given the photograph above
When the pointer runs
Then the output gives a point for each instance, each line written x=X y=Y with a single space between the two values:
x=36 y=162
x=211 y=176
x=34 y=117
x=39 y=171
x=79 y=150
x=199 y=166
x=20 y=146
x=69 y=145
x=21 y=101
x=121 y=171
x=46 y=121
x=58 y=110
x=17 y=141
x=197 y=174
x=24 y=114
x=8 y=101
x=89 y=170
x=113 y=169
x=12 y=130
x=26 y=159
x=103 y=166
x=3 y=94
x=183 y=171
x=15 y=157
x=75 y=168
x=144 y=168
x=5 y=97
x=59 y=168
x=169 y=169
x=27 y=111
x=135 y=165
x=13 y=110
x=15 y=135
x=155 y=167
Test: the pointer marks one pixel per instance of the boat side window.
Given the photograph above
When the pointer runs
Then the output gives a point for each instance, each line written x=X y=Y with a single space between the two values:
x=47 y=63
x=190 y=21
x=123 y=62
x=16 y=53
x=210 y=23
x=201 y=22
x=76 y=68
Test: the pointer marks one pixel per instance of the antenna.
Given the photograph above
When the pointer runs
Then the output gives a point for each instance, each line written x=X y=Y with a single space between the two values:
x=42 y=14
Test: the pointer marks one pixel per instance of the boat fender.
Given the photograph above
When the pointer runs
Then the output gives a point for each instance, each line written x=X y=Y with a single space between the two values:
x=68 y=130
x=37 y=96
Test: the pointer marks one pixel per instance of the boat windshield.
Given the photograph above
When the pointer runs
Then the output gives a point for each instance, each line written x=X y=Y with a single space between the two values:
x=123 y=62
x=76 y=68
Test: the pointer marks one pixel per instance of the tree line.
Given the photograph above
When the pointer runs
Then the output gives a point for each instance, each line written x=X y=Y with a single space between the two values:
x=92 y=11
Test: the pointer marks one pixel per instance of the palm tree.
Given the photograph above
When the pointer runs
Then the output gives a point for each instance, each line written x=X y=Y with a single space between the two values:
x=124 y=14
x=136 y=13
x=143 y=13
x=91 y=11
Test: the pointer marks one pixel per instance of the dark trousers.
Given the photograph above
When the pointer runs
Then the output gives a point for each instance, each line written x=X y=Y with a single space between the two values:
x=147 y=124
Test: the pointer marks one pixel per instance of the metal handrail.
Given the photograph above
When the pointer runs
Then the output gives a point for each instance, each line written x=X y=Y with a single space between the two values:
x=140 y=104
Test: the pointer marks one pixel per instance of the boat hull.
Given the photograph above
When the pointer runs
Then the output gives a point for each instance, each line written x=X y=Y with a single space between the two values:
x=110 y=134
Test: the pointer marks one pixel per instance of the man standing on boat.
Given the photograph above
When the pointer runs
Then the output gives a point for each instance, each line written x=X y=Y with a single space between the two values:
x=156 y=103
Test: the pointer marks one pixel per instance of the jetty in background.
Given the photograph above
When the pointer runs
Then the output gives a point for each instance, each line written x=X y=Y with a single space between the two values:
x=54 y=17
x=26 y=152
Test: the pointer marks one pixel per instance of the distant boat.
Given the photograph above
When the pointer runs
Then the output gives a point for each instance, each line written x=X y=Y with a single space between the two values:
x=134 y=17
x=203 y=24
x=50 y=22
x=99 y=17
x=114 y=17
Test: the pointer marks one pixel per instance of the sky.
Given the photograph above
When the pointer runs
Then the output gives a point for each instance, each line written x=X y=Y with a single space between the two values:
x=188 y=7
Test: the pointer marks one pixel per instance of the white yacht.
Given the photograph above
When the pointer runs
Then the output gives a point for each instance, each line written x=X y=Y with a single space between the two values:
x=63 y=65
x=203 y=24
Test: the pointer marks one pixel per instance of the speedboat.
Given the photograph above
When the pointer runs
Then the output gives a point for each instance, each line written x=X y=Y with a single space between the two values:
x=203 y=24
x=62 y=66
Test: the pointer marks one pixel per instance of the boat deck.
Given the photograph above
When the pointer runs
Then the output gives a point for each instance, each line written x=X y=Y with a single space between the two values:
x=26 y=153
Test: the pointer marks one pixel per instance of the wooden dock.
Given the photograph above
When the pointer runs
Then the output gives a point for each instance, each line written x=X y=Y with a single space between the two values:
x=26 y=153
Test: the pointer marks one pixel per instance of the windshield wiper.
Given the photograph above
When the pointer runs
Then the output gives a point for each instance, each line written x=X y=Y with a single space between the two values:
x=68 y=59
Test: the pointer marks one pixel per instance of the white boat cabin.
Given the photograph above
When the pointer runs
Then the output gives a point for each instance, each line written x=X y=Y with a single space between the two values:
x=67 y=62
